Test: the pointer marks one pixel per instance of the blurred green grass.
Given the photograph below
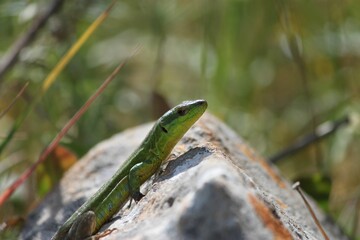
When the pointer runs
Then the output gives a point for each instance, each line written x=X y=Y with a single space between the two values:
x=269 y=69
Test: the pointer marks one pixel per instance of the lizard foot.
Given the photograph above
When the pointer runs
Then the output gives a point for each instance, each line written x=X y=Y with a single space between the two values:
x=137 y=196
x=106 y=232
x=102 y=234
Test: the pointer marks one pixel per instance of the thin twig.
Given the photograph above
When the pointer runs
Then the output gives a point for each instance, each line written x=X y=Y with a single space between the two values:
x=321 y=132
x=296 y=186
x=3 y=112
x=12 y=55
x=8 y=192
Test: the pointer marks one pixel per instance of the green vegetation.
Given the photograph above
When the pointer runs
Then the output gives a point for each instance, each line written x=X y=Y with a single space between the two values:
x=272 y=70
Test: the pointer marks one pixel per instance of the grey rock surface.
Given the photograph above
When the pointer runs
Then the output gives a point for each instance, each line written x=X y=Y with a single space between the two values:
x=213 y=186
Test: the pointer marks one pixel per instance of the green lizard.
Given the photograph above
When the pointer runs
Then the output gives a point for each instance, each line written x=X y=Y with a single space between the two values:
x=139 y=167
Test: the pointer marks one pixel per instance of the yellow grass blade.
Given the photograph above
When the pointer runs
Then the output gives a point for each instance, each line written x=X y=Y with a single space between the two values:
x=74 y=49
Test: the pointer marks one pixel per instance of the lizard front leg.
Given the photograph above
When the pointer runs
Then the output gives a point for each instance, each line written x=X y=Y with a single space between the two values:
x=138 y=174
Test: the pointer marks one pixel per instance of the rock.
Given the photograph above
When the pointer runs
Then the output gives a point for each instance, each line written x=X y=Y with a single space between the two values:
x=213 y=186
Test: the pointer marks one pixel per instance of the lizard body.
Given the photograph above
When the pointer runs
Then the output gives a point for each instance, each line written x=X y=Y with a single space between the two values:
x=139 y=167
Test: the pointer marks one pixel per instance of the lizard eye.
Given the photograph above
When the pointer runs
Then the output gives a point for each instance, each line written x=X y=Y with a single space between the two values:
x=182 y=111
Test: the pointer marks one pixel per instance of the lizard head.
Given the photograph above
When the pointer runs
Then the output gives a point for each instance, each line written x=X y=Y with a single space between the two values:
x=179 y=119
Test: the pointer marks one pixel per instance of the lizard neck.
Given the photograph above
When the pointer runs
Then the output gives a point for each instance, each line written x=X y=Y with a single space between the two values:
x=161 y=143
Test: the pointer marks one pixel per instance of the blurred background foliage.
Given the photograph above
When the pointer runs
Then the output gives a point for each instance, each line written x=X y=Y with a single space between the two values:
x=272 y=70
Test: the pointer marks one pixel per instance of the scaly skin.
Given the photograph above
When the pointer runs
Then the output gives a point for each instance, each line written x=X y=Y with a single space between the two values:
x=139 y=167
